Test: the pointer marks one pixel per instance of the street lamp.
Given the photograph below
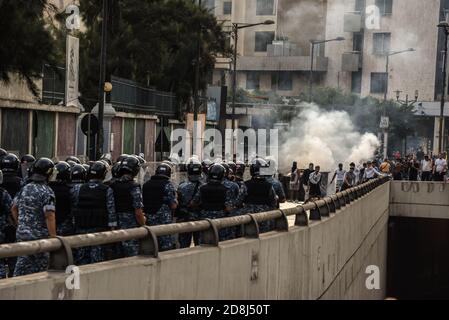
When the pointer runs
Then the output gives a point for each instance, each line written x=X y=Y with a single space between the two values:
x=312 y=45
x=406 y=103
x=235 y=34
x=388 y=54
x=445 y=27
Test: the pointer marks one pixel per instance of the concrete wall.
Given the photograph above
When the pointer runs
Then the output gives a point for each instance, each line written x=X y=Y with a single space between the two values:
x=419 y=199
x=326 y=260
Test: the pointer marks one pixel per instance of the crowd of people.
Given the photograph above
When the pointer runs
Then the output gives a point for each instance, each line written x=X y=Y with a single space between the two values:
x=41 y=199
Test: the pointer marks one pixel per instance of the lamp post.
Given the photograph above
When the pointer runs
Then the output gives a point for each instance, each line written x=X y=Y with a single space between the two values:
x=235 y=34
x=388 y=54
x=445 y=27
x=407 y=104
x=312 y=57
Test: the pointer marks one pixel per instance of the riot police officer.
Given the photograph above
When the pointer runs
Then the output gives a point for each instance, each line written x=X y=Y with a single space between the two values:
x=34 y=212
x=260 y=195
x=78 y=175
x=277 y=185
x=186 y=192
x=214 y=199
x=93 y=208
x=61 y=188
x=205 y=164
x=128 y=202
x=9 y=165
x=26 y=164
x=5 y=209
x=74 y=159
x=159 y=201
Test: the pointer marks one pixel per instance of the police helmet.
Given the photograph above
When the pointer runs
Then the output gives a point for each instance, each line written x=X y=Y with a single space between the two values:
x=86 y=166
x=216 y=173
x=97 y=171
x=9 y=163
x=74 y=159
x=232 y=166
x=121 y=157
x=206 y=164
x=226 y=166
x=115 y=170
x=194 y=167
x=3 y=153
x=28 y=158
x=129 y=165
x=164 y=170
x=71 y=163
x=240 y=168
x=62 y=171
x=107 y=157
x=1 y=177
x=42 y=169
x=257 y=165
x=141 y=159
x=78 y=173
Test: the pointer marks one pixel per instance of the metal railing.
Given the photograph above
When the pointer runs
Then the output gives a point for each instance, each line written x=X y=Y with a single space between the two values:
x=130 y=96
x=60 y=248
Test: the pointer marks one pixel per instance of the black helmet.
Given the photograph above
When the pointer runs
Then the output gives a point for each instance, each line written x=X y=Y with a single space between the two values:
x=226 y=166
x=3 y=153
x=115 y=170
x=206 y=164
x=86 y=166
x=71 y=163
x=74 y=159
x=28 y=158
x=42 y=169
x=121 y=157
x=164 y=170
x=78 y=173
x=256 y=166
x=194 y=167
x=97 y=171
x=9 y=163
x=141 y=159
x=107 y=158
x=63 y=171
x=240 y=168
x=216 y=173
x=232 y=166
x=129 y=165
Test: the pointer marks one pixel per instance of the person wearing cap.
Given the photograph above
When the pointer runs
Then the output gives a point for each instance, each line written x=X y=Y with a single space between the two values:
x=33 y=211
x=186 y=192
x=5 y=209
x=159 y=202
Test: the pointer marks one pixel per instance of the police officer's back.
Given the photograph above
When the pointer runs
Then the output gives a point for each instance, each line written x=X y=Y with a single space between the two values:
x=5 y=209
x=159 y=201
x=61 y=188
x=128 y=201
x=93 y=209
x=34 y=212
x=186 y=192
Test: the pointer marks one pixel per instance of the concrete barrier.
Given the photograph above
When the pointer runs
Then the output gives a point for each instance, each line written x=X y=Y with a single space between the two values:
x=419 y=199
x=326 y=260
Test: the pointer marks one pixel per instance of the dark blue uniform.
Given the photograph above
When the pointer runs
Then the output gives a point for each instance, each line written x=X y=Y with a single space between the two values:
x=186 y=193
x=5 y=209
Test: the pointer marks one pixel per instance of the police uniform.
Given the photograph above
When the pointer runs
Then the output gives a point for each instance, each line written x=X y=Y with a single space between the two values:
x=186 y=193
x=5 y=209
x=128 y=198
x=213 y=198
x=260 y=197
x=158 y=195
x=32 y=202
x=278 y=189
x=93 y=208
x=64 y=218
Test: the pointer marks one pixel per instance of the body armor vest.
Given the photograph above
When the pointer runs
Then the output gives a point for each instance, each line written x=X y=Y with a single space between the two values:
x=153 y=194
x=258 y=192
x=92 y=209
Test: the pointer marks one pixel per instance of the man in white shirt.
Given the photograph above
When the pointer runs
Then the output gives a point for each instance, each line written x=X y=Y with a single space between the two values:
x=440 y=168
x=340 y=175
x=426 y=169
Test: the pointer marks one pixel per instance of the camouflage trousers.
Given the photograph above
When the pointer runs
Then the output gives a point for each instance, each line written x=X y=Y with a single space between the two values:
x=3 y=269
x=31 y=264
x=131 y=248
x=65 y=228
x=185 y=239
x=89 y=255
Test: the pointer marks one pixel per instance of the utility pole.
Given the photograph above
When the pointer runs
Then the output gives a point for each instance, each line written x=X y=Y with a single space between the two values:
x=103 y=67
x=196 y=96
x=444 y=26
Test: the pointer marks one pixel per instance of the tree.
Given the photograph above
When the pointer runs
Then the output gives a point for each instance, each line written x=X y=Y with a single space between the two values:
x=152 y=42
x=27 y=43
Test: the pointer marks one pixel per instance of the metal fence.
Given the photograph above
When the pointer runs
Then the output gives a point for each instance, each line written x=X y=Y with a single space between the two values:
x=60 y=248
x=130 y=96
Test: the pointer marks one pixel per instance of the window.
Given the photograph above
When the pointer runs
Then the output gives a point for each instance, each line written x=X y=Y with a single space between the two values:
x=252 y=81
x=265 y=7
x=285 y=81
x=385 y=6
x=378 y=82
x=358 y=42
x=356 y=83
x=262 y=40
x=381 y=43
x=360 y=6
x=209 y=4
x=227 y=7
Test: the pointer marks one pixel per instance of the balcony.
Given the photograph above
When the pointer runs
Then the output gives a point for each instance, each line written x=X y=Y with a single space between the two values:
x=128 y=96
x=281 y=63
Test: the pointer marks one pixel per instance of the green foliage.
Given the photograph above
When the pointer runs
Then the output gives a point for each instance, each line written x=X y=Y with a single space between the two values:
x=27 y=43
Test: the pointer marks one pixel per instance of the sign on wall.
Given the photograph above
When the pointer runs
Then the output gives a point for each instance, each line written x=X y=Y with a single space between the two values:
x=72 y=71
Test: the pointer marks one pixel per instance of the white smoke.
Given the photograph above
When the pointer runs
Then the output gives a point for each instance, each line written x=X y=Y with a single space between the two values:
x=325 y=138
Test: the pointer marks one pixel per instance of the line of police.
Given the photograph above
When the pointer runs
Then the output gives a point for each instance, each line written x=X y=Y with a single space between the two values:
x=70 y=198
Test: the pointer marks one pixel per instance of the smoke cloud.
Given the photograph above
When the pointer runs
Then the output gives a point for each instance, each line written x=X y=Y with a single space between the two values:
x=325 y=138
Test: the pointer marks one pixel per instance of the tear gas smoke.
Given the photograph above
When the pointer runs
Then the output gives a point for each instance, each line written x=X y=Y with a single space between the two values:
x=325 y=138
